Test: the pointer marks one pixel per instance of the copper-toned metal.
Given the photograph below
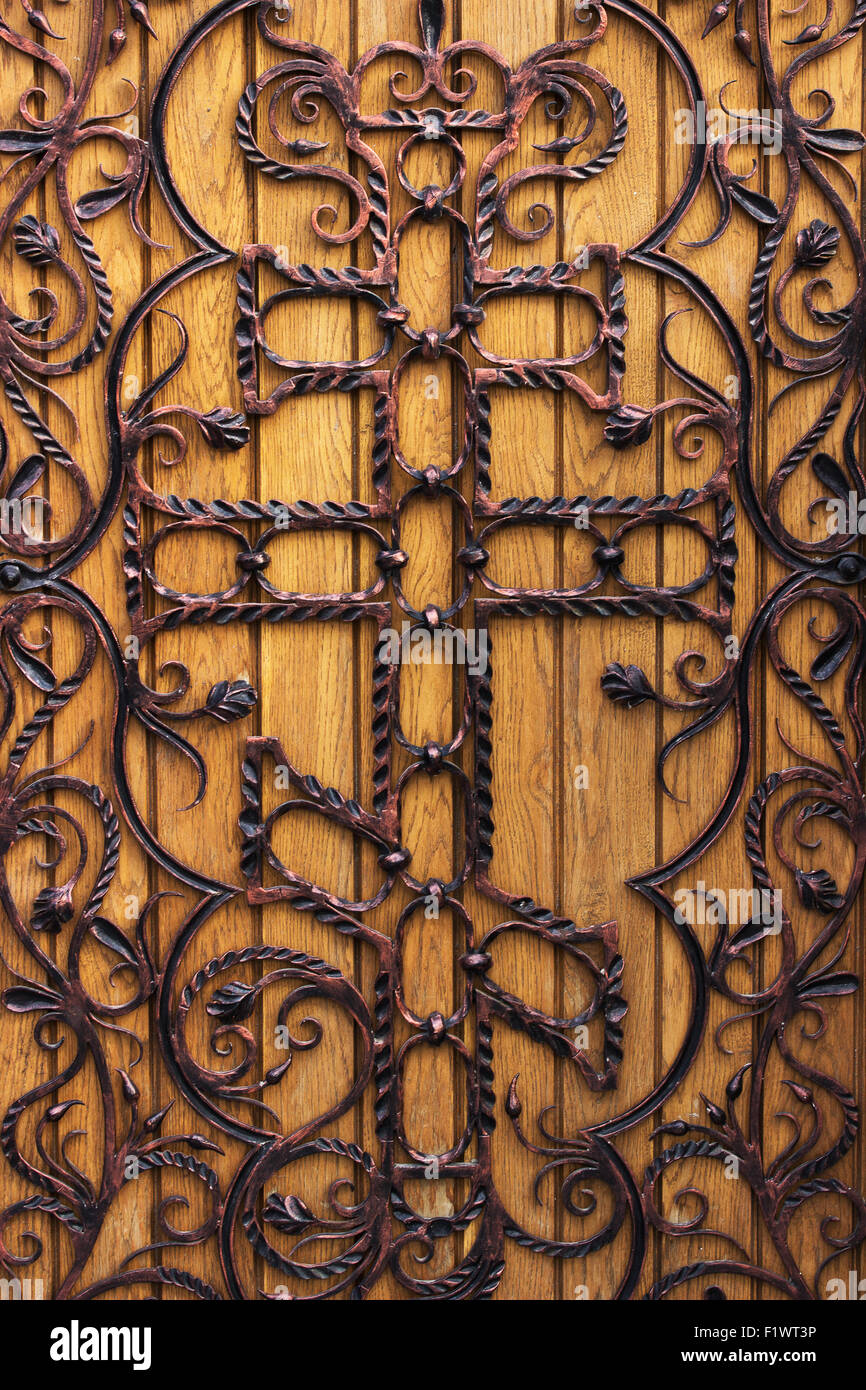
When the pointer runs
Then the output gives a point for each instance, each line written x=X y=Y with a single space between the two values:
x=382 y=1231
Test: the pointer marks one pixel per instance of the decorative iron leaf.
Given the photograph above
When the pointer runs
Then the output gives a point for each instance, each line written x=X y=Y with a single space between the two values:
x=287 y=1214
x=113 y=938
x=816 y=244
x=233 y=1002
x=223 y=428
x=818 y=891
x=22 y=999
x=52 y=908
x=757 y=205
x=630 y=424
x=36 y=242
x=626 y=685
x=227 y=702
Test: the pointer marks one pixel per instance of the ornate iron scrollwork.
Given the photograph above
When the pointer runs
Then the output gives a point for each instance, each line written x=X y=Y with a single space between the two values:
x=260 y=1205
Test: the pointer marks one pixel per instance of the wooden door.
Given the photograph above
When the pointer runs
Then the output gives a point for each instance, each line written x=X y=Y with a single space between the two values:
x=431 y=650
